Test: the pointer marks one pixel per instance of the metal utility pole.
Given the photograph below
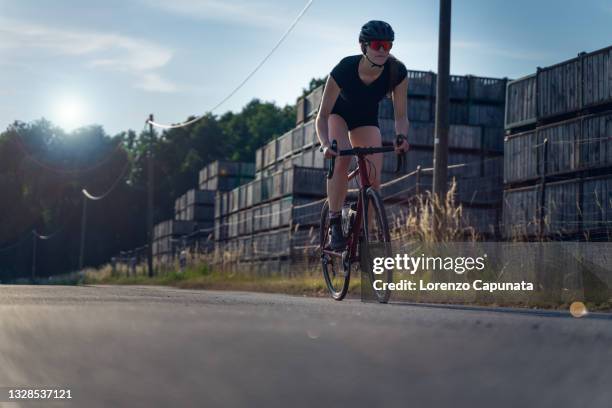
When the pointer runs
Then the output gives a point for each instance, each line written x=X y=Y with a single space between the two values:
x=150 y=199
x=440 y=176
x=83 y=227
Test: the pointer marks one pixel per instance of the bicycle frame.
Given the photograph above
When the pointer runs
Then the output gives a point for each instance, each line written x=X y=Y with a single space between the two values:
x=364 y=184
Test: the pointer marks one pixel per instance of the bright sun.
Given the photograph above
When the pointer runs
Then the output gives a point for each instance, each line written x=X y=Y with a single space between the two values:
x=69 y=113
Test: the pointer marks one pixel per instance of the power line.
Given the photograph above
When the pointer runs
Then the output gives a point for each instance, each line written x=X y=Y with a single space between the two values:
x=49 y=236
x=32 y=232
x=159 y=125
x=90 y=196
x=112 y=187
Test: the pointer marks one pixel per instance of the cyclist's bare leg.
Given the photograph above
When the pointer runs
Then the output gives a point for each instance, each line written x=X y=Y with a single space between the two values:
x=337 y=186
x=369 y=136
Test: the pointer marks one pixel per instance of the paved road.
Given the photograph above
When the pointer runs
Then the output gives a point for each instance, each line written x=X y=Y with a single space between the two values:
x=154 y=346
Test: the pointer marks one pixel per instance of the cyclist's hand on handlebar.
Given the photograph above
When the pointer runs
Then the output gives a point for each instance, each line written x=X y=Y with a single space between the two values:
x=401 y=145
x=328 y=153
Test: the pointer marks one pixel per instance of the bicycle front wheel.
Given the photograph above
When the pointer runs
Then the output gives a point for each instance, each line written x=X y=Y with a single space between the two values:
x=336 y=276
x=376 y=243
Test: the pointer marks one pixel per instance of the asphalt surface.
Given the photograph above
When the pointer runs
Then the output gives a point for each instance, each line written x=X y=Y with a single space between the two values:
x=160 y=347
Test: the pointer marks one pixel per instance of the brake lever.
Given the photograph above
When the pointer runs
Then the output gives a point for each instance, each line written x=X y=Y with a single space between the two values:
x=401 y=157
x=332 y=161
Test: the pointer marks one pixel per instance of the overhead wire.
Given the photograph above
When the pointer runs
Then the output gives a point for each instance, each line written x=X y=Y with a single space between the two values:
x=113 y=185
x=49 y=236
x=244 y=81
x=118 y=179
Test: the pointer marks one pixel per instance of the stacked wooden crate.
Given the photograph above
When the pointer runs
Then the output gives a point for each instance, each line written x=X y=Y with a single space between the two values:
x=558 y=161
x=297 y=147
x=255 y=221
x=194 y=211
x=167 y=236
x=196 y=205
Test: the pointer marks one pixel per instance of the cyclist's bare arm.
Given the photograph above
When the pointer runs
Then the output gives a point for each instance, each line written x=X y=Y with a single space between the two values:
x=330 y=94
x=400 y=101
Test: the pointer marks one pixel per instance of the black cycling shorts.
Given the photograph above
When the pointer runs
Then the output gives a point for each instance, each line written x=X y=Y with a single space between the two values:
x=355 y=116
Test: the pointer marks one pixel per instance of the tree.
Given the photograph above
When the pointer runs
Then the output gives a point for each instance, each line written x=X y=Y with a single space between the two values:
x=257 y=123
x=313 y=84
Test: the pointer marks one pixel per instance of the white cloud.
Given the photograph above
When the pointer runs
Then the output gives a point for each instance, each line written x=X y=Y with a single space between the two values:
x=102 y=50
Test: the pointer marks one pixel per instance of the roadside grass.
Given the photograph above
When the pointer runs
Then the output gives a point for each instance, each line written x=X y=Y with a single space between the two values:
x=204 y=277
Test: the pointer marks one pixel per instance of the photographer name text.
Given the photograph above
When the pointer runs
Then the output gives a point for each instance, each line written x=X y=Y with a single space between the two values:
x=478 y=285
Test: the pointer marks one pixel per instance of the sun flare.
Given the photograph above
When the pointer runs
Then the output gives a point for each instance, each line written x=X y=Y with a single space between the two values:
x=69 y=113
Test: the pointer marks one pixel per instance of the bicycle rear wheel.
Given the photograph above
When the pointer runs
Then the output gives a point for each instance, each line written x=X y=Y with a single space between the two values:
x=376 y=243
x=336 y=277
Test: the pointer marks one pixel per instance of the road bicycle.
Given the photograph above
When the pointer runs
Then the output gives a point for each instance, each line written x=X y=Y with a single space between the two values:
x=365 y=227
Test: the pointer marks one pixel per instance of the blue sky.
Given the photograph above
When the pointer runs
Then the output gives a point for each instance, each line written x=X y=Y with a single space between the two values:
x=113 y=62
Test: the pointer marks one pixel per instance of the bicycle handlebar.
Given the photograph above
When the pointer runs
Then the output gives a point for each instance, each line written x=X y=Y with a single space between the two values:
x=359 y=151
x=362 y=151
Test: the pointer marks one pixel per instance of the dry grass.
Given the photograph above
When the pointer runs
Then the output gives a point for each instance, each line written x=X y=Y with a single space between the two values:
x=417 y=223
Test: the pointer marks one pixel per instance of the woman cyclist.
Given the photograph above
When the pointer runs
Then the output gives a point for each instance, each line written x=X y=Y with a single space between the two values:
x=349 y=112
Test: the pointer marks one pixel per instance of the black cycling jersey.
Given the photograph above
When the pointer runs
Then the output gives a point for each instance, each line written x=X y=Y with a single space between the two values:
x=358 y=102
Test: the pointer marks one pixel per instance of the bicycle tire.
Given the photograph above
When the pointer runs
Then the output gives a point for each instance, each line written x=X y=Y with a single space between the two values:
x=331 y=265
x=373 y=202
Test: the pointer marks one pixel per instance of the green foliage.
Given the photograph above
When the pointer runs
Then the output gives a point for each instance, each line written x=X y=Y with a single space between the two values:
x=314 y=83
x=258 y=123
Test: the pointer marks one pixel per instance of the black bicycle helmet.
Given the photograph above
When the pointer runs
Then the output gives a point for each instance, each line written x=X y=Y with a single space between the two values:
x=376 y=30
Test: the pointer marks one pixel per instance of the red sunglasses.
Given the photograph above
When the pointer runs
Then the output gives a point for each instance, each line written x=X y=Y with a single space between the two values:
x=376 y=44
